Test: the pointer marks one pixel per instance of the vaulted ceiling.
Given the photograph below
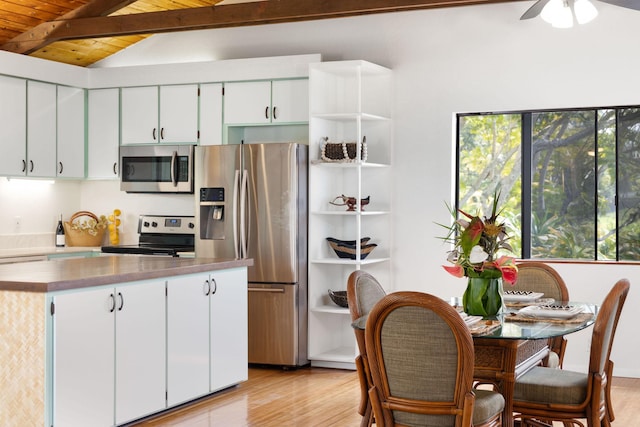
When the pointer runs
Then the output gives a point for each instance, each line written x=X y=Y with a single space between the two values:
x=82 y=32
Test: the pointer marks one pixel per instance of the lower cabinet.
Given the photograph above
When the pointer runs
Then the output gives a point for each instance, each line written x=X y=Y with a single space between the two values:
x=206 y=333
x=124 y=352
x=109 y=352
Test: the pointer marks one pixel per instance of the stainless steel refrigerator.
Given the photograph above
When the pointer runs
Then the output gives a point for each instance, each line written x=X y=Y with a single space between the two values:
x=252 y=203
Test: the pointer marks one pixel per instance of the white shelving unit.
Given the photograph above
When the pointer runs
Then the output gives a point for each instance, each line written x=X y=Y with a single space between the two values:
x=349 y=102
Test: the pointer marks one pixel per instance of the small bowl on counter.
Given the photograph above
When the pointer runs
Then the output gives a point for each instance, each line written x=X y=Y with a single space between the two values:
x=339 y=298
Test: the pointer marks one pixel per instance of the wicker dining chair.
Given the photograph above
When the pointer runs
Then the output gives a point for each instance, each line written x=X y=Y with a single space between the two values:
x=421 y=357
x=543 y=395
x=540 y=277
x=363 y=292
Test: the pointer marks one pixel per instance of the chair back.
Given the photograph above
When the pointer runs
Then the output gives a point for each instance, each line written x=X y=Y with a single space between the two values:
x=540 y=277
x=363 y=292
x=421 y=357
x=605 y=327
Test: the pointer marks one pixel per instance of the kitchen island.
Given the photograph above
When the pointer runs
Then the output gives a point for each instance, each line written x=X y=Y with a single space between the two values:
x=110 y=339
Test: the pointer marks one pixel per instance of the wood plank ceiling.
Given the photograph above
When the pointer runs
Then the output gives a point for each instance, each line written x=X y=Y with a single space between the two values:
x=82 y=32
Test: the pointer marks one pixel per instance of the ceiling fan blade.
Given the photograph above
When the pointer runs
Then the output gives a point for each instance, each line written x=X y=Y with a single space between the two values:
x=537 y=7
x=629 y=4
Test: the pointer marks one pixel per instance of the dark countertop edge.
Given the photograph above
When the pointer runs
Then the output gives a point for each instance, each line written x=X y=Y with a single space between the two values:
x=111 y=279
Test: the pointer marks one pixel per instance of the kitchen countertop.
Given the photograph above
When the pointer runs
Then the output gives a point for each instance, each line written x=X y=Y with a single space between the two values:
x=75 y=273
x=44 y=251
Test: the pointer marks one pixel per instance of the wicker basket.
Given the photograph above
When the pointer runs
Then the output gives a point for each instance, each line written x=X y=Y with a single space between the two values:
x=342 y=151
x=75 y=236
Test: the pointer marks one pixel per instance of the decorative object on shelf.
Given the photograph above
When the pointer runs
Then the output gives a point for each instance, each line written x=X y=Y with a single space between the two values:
x=351 y=202
x=342 y=151
x=114 y=223
x=477 y=242
x=347 y=248
x=87 y=231
x=339 y=298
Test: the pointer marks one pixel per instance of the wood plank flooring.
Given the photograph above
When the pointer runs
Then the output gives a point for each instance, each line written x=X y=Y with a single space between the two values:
x=317 y=397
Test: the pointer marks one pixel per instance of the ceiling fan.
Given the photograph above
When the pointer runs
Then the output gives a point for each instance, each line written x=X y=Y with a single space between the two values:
x=559 y=13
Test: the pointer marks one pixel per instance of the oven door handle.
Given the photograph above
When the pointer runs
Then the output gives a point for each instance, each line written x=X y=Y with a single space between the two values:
x=174 y=174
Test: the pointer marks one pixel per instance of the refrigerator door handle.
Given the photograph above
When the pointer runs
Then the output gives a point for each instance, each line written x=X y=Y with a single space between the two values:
x=244 y=189
x=236 y=184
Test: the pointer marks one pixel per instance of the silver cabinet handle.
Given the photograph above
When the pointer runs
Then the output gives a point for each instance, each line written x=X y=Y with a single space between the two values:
x=24 y=165
x=121 y=301
x=161 y=133
x=30 y=165
x=154 y=134
x=113 y=303
x=266 y=112
x=115 y=168
x=275 y=113
x=215 y=286
x=61 y=168
x=207 y=287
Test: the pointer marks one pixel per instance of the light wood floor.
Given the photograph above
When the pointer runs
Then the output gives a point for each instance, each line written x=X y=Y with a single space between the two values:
x=318 y=397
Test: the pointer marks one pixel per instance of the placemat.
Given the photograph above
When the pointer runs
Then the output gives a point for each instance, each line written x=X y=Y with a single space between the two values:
x=578 y=318
x=523 y=304
x=483 y=327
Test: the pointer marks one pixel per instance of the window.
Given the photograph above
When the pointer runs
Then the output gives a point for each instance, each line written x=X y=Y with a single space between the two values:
x=569 y=179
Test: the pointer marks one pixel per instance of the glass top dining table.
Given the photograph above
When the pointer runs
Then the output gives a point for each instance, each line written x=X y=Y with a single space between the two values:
x=508 y=345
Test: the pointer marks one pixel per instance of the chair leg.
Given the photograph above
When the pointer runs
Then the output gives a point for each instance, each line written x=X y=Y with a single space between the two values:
x=609 y=415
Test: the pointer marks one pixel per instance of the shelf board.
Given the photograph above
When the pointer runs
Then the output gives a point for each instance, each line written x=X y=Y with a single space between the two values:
x=348 y=165
x=338 y=261
x=362 y=213
x=333 y=309
x=343 y=117
x=339 y=354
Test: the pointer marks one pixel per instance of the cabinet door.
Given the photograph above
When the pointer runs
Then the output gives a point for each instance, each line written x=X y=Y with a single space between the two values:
x=41 y=129
x=247 y=102
x=290 y=101
x=83 y=369
x=70 y=144
x=211 y=114
x=139 y=115
x=140 y=350
x=13 y=125
x=229 y=340
x=103 y=133
x=179 y=114
x=187 y=337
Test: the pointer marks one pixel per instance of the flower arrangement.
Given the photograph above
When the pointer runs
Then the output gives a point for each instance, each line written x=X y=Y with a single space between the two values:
x=477 y=242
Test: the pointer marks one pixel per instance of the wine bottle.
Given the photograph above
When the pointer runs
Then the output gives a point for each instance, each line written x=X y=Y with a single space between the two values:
x=60 y=233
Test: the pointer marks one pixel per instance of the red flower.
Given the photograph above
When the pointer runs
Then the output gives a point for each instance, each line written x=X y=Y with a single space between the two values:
x=455 y=270
x=508 y=269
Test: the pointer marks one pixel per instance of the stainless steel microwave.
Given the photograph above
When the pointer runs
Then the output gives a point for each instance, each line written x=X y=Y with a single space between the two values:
x=156 y=168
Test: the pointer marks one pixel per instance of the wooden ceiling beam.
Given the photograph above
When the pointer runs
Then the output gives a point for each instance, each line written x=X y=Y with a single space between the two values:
x=32 y=39
x=232 y=15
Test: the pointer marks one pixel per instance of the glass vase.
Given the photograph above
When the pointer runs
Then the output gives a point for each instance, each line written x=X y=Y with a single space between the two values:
x=483 y=297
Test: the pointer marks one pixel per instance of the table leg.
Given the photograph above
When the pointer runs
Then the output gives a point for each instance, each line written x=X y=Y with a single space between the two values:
x=501 y=361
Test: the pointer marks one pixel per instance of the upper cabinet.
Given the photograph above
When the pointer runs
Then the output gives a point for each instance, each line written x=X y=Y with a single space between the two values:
x=70 y=126
x=166 y=114
x=103 y=133
x=266 y=102
x=350 y=110
x=211 y=114
x=41 y=129
x=13 y=128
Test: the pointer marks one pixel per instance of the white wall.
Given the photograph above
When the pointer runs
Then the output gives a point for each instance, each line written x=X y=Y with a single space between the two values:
x=476 y=58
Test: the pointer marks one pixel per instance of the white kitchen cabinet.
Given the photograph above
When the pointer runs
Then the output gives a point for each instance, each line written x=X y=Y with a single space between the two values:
x=229 y=326
x=70 y=132
x=349 y=103
x=84 y=358
x=167 y=114
x=140 y=350
x=265 y=102
x=13 y=126
x=109 y=354
x=187 y=337
x=211 y=114
x=103 y=133
x=41 y=129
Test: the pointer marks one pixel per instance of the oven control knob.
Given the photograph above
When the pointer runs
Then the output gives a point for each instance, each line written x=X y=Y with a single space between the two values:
x=154 y=224
x=145 y=224
x=191 y=225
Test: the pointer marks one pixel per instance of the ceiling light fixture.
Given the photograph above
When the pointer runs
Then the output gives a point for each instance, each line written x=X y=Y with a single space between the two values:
x=560 y=13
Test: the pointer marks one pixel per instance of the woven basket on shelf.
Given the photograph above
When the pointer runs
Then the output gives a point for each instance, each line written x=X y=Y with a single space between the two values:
x=76 y=236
